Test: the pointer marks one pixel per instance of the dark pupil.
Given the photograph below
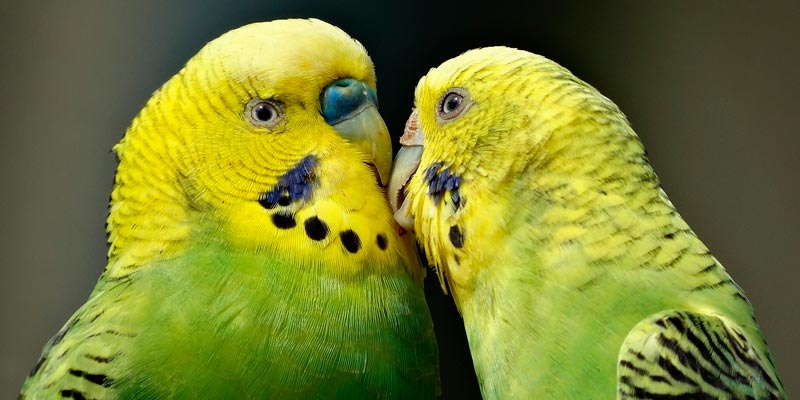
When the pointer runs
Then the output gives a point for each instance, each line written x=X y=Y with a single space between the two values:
x=263 y=112
x=452 y=103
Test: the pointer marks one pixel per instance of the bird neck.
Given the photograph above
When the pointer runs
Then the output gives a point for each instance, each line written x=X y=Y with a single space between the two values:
x=580 y=180
x=148 y=213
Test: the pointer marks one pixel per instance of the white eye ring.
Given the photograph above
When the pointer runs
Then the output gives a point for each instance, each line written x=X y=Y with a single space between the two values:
x=265 y=113
x=453 y=104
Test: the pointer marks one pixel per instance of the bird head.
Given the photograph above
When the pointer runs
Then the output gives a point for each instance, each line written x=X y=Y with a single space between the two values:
x=493 y=131
x=267 y=123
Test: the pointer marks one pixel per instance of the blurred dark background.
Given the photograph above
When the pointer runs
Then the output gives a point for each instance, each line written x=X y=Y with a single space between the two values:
x=711 y=87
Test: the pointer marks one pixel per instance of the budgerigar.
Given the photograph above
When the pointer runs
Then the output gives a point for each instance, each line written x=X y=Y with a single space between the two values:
x=574 y=274
x=252 y=251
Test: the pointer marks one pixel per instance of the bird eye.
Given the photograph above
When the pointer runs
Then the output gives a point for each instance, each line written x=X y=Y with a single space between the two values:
x=264 y=113
x=452 y=104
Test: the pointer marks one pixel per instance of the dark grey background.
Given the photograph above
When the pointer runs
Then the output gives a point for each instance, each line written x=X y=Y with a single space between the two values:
x=712 y=88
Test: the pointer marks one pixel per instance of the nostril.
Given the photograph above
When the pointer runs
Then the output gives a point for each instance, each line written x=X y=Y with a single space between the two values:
x=343 y=83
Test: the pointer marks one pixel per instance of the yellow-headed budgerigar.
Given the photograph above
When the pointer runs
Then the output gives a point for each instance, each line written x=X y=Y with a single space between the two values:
x=252 y=251
x=574 y=274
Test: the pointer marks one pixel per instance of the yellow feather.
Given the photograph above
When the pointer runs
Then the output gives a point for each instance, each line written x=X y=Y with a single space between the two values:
x=203 y=163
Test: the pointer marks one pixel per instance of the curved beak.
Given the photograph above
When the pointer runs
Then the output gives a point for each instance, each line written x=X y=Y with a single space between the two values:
x=405 y=165
x=351 y=108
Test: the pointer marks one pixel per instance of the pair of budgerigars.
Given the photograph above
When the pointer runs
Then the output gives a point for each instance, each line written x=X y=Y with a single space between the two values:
x=253 y=252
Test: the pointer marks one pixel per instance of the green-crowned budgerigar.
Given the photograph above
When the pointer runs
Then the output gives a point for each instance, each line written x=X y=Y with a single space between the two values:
x=574 y=274
x=252 y=251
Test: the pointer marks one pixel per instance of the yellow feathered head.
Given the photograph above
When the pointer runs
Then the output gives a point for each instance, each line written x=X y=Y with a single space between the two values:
x=491 y=130
x=268 y=116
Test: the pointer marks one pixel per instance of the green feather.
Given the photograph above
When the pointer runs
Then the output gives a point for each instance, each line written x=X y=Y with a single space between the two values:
x=246 y=327
x=574 y=273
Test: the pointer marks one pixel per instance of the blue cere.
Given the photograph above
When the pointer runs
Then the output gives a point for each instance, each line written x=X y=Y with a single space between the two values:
x=440 y=181
x=344 y=98
x=295 y=184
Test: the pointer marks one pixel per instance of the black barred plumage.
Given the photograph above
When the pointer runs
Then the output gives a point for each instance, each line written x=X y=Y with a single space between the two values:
x=72 y=394
x=98 y=379
x=99 y=359
x=88 y=344
x=684 y=355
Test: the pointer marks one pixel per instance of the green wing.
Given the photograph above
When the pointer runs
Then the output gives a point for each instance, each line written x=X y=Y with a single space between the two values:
x=685 y=355
x=75 y=362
